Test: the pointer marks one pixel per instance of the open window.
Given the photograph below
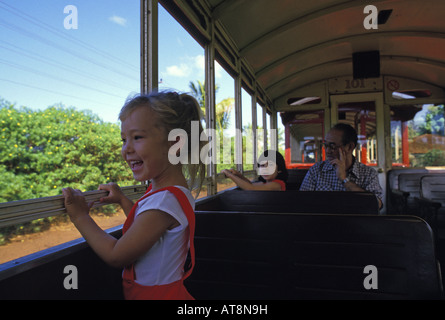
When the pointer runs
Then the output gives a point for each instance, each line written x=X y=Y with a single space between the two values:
x=304 y=137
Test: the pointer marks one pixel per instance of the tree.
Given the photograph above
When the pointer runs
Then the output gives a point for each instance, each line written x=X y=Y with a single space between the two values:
x=434 y=121
x=223 y=109
x=198 y=91
x=42 y=152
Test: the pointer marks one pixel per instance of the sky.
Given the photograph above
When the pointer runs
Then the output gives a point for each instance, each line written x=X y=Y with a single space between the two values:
x=85 y=54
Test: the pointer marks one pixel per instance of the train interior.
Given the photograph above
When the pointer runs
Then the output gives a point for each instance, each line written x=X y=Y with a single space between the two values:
x=311 y=64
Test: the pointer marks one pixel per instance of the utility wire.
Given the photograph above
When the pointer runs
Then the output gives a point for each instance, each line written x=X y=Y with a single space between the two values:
x=64 y=35
x=52 y=77
x=61 y=48
x=54 y=92
x=51 y=62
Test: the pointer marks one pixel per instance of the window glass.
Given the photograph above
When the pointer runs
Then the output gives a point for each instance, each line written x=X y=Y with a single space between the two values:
x=225 y=124
x=246 y=105
x=65 y=72
x=181 y=64
x=268 y=133
x=362 y=118
x=417 y=136
x=260 y=129
x=306 y=134
x=280 y=135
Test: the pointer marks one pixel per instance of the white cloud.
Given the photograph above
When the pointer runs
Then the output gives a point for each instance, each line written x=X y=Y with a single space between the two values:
x=189 y=67
x=218 y=70
x=183 y=70
x=118 y=20
x=192 y=67
x=200 y=62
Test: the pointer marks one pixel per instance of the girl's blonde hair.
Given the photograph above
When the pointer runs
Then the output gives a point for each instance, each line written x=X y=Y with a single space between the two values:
x=174 y=111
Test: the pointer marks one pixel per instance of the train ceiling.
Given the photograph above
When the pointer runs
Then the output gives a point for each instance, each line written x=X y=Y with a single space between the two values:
x=288 y=44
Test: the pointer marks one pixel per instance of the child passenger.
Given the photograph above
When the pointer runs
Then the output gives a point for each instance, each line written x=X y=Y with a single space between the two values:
x=160 y=226
x=271 y=169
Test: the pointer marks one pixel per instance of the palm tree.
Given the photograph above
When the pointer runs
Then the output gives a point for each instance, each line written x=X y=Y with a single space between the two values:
x=223 y=108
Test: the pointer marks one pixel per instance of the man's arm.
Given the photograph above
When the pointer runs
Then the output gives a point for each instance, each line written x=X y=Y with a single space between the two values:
x=309 y=181
x=352 y=186
x=373 y=186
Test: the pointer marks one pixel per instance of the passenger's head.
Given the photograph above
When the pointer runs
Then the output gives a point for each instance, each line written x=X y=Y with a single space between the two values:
x=271 y=166
x=340 y=136
x=157 y=114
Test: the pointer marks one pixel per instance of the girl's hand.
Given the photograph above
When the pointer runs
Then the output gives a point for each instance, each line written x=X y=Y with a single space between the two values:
x=229 y=172
x=75 y=203
x=115 y=193
x=116 y=196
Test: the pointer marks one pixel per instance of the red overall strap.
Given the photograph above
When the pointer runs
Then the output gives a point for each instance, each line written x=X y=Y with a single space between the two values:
x=130 y=217
x=188 y=211
x=190 y=214
x=281 y=183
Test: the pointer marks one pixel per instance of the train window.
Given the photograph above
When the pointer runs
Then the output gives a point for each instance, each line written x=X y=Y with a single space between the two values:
x=67 y=75
x=181 y=59
x=181 y=64
x=225 y=123
x=361 y=116
x=184 y=69
x=260 y=129
x=246 y=116
x=305 y=130
x=267 y=127
x=417 y=135
x=280 y=135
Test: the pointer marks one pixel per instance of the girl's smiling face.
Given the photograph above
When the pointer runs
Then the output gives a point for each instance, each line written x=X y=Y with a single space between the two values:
x=145 y=145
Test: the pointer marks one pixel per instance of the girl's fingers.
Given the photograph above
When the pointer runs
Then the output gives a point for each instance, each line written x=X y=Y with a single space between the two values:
x=90 y=204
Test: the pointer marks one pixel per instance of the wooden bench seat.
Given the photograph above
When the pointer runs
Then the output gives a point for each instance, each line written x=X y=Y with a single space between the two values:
x=403 y=187
x=432 y=202
x=293 y=202
x=312 y=256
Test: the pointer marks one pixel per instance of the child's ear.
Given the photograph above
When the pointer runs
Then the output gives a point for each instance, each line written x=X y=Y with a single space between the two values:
x=175 y=146
x=173 y=142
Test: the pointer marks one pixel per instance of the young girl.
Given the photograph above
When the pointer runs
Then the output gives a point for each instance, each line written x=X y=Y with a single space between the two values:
x=160 y=226
x=273 y=174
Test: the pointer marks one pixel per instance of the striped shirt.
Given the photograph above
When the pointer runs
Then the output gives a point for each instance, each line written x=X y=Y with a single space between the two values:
x=322 y=177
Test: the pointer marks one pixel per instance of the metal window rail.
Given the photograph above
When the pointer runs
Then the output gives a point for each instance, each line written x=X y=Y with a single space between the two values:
x=17 y=212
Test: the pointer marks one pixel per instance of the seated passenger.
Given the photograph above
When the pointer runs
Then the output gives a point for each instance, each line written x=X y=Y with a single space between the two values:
x=341 y=171
x=271 y=169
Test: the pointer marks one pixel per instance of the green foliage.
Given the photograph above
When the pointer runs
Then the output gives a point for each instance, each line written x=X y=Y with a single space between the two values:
x=42 y=152
x=434 y=121
x=223 y=109
x=434 y=157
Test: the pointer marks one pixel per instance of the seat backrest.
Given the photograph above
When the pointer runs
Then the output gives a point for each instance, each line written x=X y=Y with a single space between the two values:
x=393 y=175
x=294 y=202
x=295 y=178
x=312 y=256
x=410 y=182
x=432 y=187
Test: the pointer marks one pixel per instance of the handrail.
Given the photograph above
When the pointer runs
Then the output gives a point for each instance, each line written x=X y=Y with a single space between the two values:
x=21 y=211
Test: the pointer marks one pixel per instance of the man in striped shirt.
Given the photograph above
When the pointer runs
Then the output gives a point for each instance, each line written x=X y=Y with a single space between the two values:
x=341 y=171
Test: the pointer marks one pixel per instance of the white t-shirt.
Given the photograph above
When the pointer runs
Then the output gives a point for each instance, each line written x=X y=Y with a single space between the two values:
x=164 y=262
